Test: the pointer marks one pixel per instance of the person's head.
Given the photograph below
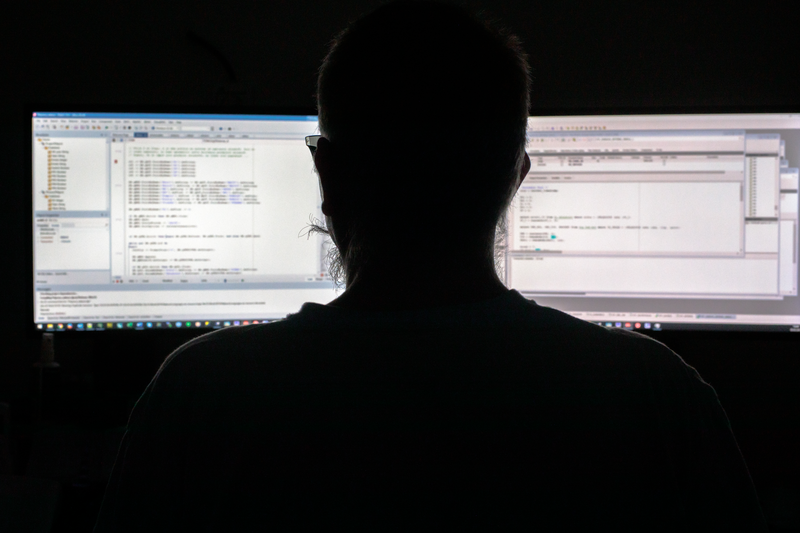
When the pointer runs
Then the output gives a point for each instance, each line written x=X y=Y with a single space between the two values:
x=424 y=109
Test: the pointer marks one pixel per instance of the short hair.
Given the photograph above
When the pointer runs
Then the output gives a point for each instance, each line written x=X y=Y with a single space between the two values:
x=423 y=93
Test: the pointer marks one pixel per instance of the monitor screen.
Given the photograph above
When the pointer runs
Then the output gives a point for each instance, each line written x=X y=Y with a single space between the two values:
x=661 y=221
x=152 y=220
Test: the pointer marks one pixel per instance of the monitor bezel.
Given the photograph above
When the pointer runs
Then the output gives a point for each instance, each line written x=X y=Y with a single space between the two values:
x=26 y=125
x=684 y=331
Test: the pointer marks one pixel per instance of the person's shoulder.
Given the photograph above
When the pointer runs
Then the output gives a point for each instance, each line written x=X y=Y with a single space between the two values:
x=575 y=331
x=551 y=319
x=231 y=344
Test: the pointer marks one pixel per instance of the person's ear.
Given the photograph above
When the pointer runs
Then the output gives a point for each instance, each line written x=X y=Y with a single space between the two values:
x=526 y=167
x=325 y=163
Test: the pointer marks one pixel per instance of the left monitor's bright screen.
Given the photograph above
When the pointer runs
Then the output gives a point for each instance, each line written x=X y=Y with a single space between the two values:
x=150 y=220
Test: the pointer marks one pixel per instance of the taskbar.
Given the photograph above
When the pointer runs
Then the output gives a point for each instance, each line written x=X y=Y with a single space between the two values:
x=145 y=325
x=694 y=326
x=219 y=324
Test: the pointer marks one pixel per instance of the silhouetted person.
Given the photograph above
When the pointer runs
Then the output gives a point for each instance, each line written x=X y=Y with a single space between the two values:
x=427 y=396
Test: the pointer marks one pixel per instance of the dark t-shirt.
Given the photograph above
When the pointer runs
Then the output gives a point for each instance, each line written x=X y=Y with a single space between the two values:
x=493 y=416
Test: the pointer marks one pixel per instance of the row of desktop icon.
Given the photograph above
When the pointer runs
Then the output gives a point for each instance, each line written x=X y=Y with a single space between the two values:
x=93 y=326
x=631 y=325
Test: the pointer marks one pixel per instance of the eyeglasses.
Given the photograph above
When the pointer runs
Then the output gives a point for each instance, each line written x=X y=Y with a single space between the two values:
x=311 y=142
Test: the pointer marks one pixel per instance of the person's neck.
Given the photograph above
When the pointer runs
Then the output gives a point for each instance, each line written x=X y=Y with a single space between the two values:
x=395 y=286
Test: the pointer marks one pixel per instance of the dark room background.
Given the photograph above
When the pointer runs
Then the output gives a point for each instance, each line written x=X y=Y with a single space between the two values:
x=231 y=55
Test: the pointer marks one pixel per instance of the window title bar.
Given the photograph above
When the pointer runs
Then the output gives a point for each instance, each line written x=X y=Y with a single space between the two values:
x=49 y=114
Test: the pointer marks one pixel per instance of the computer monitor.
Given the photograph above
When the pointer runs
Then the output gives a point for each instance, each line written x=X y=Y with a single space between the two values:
x=172 y=220
x=661 y=221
